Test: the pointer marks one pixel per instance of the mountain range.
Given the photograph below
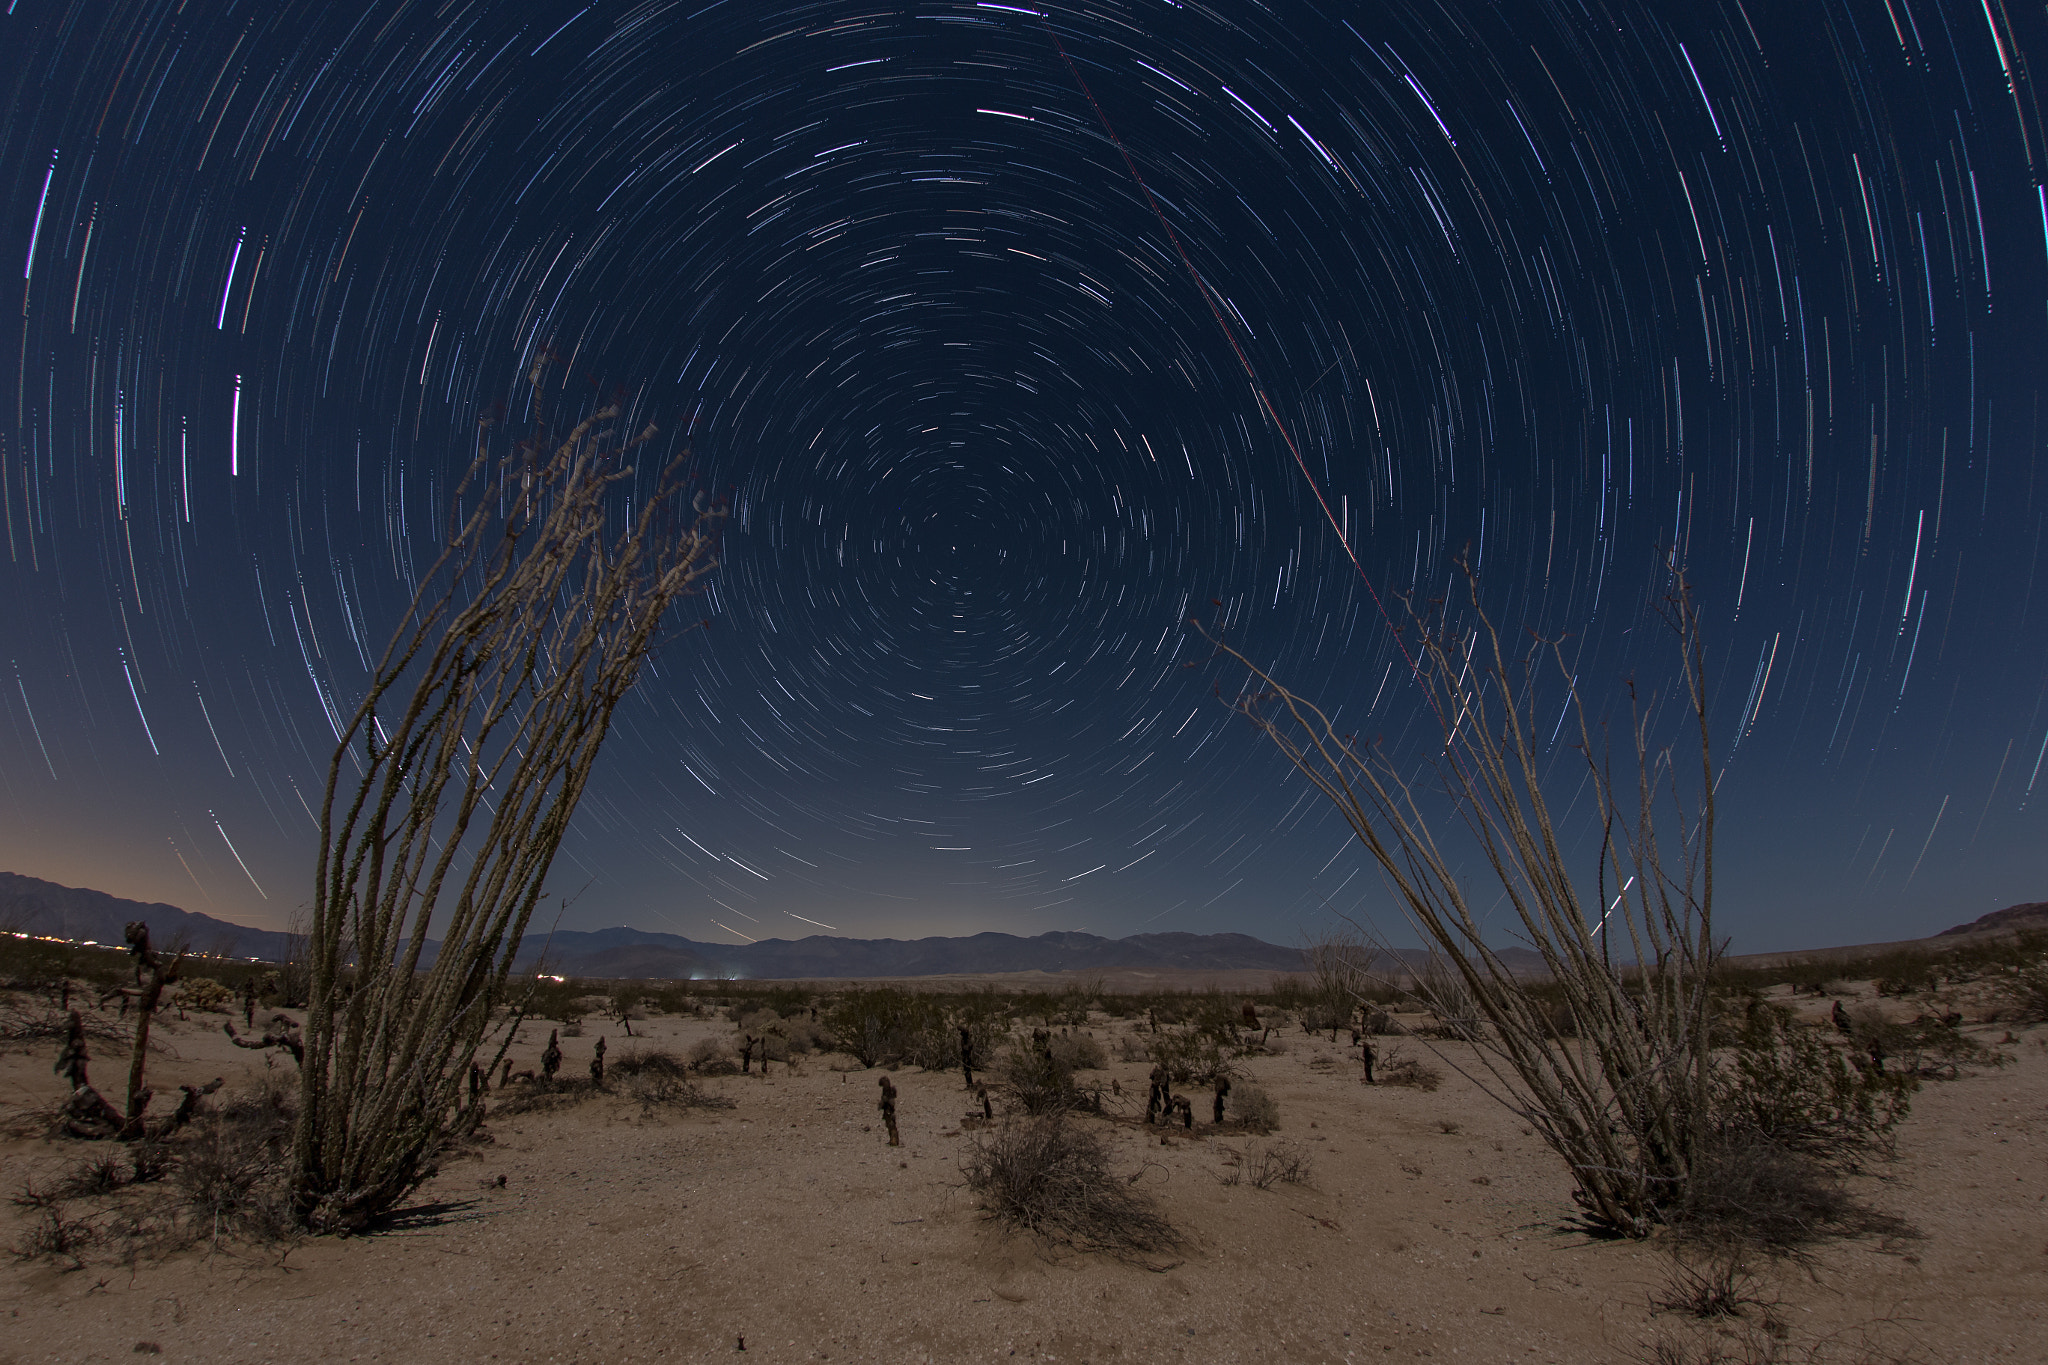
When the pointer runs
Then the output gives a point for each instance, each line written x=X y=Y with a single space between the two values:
x=636 y=953
x=31 y=905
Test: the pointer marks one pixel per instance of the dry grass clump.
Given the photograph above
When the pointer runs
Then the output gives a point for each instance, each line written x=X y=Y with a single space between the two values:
x=1053 y=1179
x=56 y=1236
x=224 y=1176
x=1254 y=1110
x=1716 y=1284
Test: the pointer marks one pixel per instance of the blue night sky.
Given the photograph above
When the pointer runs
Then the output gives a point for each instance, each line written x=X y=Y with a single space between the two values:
x=1003 y=396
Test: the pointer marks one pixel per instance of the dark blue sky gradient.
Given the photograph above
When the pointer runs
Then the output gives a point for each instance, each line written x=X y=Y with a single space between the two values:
x=1560 y=283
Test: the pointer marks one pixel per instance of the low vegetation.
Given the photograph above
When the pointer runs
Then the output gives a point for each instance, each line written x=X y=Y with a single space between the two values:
x=1050 y=1176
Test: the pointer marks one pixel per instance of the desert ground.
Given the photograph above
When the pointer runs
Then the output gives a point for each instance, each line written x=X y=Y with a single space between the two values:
x=1432 y=1225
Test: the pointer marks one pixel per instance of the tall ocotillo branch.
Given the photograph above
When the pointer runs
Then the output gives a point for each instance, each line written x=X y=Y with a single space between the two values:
x=1626 y=1101
x=519 y=643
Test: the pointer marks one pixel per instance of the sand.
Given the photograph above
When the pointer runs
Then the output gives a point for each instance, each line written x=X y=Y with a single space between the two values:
x=1436 y=1227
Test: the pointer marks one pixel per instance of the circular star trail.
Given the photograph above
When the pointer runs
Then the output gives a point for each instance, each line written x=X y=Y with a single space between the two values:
x=1020 y=334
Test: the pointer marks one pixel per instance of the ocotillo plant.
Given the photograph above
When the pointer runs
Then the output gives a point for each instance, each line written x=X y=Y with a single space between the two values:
x=1627 y=1101
x=499 y=682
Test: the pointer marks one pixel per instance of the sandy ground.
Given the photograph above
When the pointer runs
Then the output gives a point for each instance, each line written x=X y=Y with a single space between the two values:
x=1436 y=1227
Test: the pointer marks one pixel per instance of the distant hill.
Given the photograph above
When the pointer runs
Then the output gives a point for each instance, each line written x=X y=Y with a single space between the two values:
x=636 y=953
x=2032 y=915
x=30 y=905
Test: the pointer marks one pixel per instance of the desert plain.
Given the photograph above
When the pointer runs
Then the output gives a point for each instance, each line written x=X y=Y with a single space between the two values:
x=1430 y=1224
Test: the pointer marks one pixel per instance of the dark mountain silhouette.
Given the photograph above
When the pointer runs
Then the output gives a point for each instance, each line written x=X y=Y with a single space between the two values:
x=2031 y=915
x=623 y=952
x=29 y=905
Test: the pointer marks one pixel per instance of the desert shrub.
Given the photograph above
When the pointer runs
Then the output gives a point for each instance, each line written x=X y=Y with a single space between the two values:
x=1119 y=1006
x=1747 y=1190
x=647 y=1061
x=1191 y=1056
x=1080 y=1052
x=22 y=1021
x=750 y=1019
x=544 y=1095
x=1395 y=1067
x=1783 y=1082
x=713 y=1057
x=1924 y=1047
x=1053 y=1179
x=1037 y=1083
x=787 y=1038
x=1281 y=1163
x=884 y=1024
x=655 y=1089
x=2023 y=994
x=206 y=994
x=1254 y=1110
x=1130 y=1048
x=229 y=1177
x=1790 y=1114
x=783 y=1001
x=656 y=1076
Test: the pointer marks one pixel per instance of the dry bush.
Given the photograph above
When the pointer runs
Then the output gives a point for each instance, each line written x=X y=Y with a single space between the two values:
x=1784 y=1081
x=205 y=994
x=655 y=1076
x=230 y=1179
x=782 y=1039
x=1053 y=1179
x=1254 y=1110
x=713 y=1057
x=1041 y=1084
x=1191 y=1055
x=1396 y=1067
x=225 y=1175
x=545 y=1095
x=1926 y=1048
x=1282 y=1163
x=23 y=1021
x=1130 y=1049
x=1749 y=1190
x=1079 y=1052
x=2023 y=996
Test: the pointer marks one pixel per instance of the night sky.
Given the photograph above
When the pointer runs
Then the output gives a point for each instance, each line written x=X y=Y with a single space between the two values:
x=1555 y=284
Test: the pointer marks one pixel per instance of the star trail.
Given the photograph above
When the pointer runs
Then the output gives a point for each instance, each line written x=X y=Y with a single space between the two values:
x=1019 y=334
